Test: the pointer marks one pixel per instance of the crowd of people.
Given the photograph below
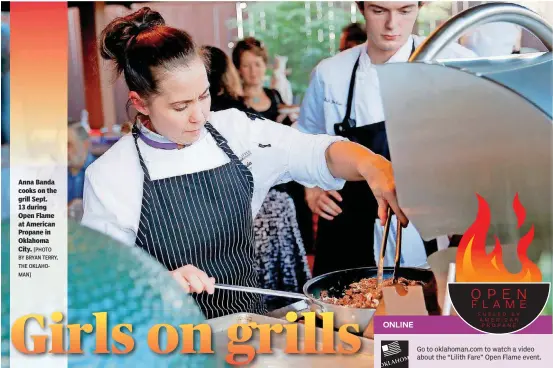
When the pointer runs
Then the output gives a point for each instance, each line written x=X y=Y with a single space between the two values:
x=272 y=171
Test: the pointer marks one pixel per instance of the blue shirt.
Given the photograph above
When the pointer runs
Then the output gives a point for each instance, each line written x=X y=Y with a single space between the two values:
x=75 y=183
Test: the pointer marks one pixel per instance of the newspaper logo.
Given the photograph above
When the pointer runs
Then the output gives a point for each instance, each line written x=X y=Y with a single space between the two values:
x=395 y=354
x=391 y=349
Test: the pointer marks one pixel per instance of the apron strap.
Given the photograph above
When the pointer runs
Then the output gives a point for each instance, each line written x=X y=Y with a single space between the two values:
x=352 y=85
x=136 y=134
x=221 y=141
x=350 y=92
x=223 y=144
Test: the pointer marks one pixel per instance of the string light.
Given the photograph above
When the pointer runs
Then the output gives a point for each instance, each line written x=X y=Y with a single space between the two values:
x=262 y=20
x=308 y=18
x=320 y=32
x=251 y=24
x=239 y=21
x=331 y=35
x=320 y=35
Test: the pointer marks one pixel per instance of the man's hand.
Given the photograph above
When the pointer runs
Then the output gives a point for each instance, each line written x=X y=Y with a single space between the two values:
x=323 y=203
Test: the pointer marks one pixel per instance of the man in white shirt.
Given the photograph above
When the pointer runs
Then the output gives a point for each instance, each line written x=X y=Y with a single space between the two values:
x=343 y=99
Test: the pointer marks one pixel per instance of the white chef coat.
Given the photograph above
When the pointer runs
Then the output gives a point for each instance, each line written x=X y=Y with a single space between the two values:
x=325 y=104
x=325 y=100
x=273 y=152
x=493 y=39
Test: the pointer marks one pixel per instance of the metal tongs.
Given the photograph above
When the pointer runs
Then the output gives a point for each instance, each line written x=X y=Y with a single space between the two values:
x=380 y=272
x=247 y=289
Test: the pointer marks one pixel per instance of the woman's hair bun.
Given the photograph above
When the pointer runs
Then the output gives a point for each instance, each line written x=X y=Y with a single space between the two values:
x=119 y=34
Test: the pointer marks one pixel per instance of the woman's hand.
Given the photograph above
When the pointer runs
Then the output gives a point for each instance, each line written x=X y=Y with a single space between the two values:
x=290 y=112
x=194 y=280
x=280 y=118
x=321 y=203
x=379 y=175
x=353 y=162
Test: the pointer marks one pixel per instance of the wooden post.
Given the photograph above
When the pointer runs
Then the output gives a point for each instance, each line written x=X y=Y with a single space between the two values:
x=105 y=71
x=97 y=74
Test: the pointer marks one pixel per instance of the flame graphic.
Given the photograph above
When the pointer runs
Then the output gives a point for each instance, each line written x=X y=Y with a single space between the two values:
x=474 y=265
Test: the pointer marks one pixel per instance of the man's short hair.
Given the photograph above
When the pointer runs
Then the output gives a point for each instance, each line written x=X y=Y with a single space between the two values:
x=355 y=32
x=361 y=5
x=79 y=130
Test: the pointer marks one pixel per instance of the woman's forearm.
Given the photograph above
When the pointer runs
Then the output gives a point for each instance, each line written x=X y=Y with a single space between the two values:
x=354 y=162
x=351 y=161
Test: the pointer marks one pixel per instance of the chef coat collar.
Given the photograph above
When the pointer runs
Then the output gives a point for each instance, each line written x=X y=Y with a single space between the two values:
x=155 y=140
x=402 y=55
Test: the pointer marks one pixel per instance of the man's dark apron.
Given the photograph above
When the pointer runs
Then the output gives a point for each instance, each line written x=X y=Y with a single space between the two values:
x=204 y=219
x=348 y=240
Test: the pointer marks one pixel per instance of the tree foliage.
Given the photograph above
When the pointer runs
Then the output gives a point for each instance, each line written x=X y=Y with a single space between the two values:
x=291 y=29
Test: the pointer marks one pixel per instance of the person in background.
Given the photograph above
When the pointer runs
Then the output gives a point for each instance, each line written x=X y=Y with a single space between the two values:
x=250 y=58
x=281 y=255
x=225 y=85
x=279 y=79
x=350 y=105
x=353 y=34
x=79 y=159
x=493 y=39
x=126 y=127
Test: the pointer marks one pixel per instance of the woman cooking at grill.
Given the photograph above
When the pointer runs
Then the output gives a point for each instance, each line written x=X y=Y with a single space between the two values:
x=186 y=184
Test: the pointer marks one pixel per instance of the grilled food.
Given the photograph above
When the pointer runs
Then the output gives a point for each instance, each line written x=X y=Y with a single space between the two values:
x=364 y=294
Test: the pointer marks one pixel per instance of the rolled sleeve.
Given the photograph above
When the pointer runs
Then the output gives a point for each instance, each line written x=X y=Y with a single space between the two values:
x=307 y=161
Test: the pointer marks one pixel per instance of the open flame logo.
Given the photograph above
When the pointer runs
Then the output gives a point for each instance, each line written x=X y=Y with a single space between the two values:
x=474 y=265
x=486 y=295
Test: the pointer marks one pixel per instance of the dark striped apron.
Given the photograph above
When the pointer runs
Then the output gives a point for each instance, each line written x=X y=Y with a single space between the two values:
x=204 y=219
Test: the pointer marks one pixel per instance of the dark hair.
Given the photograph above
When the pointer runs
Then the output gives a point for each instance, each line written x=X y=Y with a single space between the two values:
x=355 y=32
x=223 y=76
x=140 y=42
x=217 y=67
x=249 y=44
x=361 y=5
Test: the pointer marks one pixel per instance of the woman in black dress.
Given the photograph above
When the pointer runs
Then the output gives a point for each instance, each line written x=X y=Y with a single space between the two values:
x=250 y=58
x=281 y=258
